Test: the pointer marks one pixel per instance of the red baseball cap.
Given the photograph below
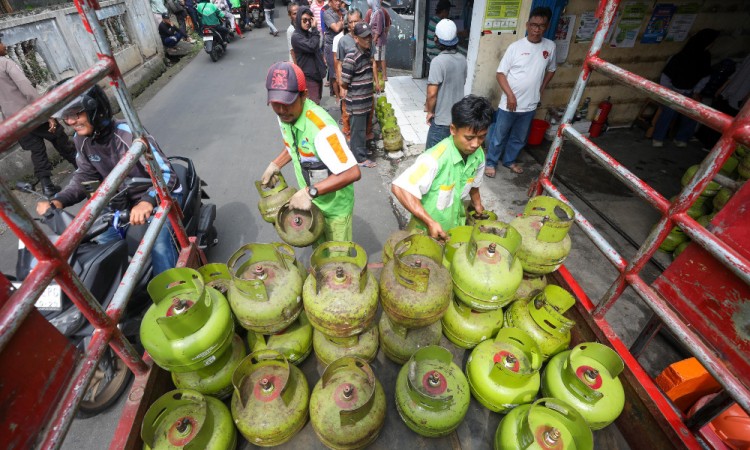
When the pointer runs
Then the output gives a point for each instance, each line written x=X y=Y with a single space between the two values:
x=284 y=82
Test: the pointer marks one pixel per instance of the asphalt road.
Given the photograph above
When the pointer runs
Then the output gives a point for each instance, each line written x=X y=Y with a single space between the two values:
x=216 y=114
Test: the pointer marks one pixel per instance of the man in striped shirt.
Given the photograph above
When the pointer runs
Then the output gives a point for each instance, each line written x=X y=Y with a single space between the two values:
x=442 y=11
x=357 y=82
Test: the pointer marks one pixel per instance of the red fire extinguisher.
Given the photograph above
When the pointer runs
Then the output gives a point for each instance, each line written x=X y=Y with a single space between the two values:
x=600 y=118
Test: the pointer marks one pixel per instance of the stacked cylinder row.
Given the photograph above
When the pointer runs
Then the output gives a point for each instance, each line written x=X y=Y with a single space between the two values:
x=425 y=289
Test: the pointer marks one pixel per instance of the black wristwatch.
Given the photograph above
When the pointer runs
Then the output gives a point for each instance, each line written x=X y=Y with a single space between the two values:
x=313 y=191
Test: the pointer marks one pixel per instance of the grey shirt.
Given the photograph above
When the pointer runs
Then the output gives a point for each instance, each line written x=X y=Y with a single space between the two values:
x=346 y=46
x=330 y=16
x=16 y=91
x=448 y=72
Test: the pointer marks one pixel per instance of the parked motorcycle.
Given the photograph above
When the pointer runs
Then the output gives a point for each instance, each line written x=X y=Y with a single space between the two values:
x=257 y=15
x=101 y=268
x=213 y=43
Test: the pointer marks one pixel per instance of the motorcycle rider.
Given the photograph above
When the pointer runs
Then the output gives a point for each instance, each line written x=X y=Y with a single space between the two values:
x=101 y=141
x=211 y=16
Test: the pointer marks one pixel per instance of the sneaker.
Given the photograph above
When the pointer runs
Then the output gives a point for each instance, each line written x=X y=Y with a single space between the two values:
x=657 y=144
x=680 y=144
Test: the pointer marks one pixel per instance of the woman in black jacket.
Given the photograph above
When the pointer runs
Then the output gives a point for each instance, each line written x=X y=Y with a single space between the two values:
x=306 y=46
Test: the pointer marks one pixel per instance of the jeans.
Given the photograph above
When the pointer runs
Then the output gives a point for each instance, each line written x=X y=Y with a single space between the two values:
x=34 y=142
x=357 y=139
x=436 y=134
x=269 y=20
x=173 y=40
x=509 y=137
x=164 y=253
x=685 y=129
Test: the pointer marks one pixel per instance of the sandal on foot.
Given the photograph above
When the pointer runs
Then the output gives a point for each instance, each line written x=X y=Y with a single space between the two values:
x=515 y=168
x=369 y=164
x=489 y=172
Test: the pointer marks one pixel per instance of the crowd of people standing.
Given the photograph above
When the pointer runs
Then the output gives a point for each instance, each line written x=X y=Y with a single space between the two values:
x=343 y=49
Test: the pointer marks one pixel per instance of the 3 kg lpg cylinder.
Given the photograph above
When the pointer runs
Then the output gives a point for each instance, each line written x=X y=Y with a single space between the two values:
x=270 y=399
x=266 y=288
x=189 y=326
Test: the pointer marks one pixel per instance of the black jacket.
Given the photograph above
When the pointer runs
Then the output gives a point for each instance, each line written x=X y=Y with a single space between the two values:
x=97 y=157
x=306 y=45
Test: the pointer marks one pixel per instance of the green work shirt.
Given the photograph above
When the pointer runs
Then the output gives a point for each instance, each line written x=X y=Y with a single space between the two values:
x=441 y=179
x=314 y=138
x=235 y=3
x=210 y=14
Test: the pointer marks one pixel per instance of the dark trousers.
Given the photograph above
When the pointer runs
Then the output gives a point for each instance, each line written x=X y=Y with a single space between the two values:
x=173 y=40
x=34 y=142
x=357 y=137
x=181 y=22
x=196 y=21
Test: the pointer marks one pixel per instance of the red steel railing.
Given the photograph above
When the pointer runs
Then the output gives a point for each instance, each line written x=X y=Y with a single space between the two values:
x=733 y=130
x=53 y=257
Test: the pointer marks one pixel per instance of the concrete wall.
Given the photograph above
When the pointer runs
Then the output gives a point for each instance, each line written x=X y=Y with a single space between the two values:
x=731 y=17
x=51 y=44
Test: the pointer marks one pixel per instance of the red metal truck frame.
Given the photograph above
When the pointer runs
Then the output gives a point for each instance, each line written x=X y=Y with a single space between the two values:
x=18 y=309
x=733 y=131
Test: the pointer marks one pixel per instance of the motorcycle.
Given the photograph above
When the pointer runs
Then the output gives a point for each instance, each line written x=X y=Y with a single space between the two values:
x=213 y=43
x=257 y=15
x=101 y=268
x=241 y=16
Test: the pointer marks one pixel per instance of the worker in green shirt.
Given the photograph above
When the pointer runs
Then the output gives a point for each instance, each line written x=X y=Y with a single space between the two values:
x=323 y=164
x=212 y=16
x=445 y=178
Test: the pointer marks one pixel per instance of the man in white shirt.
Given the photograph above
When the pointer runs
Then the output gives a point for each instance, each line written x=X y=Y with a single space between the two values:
x=524 y=72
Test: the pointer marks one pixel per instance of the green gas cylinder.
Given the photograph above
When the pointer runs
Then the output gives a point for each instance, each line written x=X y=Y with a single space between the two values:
x=466 y=327
x=187 y=419
x=189 y=326
x=415 y=288
x=710 y=190
x=432 y=395
x=392 y=139
x=743 y=169
x=472 y=215
x=329 y=348
x=217 y=276
x=270 y=399
x=340 y=294
x=542 y=318
x=347 y=407
x=457 y=236
x=585 y=377
x=266 y=287
x=272 y=199
x=504 y=372
x=544 y=226
x=216 y=379
x=485 y=271
x=675 y=237
x=294 y=341
x=547 y=423
x=396 y=237
x=299 y=228
x=399 y=343
x=530 y=284
x=721 y=198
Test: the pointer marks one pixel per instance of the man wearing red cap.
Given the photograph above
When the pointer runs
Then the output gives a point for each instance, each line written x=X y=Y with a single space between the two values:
x=323 y=164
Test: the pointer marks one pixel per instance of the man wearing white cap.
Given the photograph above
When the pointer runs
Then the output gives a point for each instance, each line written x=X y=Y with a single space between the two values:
x=445 y=83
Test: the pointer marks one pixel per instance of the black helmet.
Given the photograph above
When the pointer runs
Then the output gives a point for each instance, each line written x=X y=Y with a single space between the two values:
x=96 y=105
